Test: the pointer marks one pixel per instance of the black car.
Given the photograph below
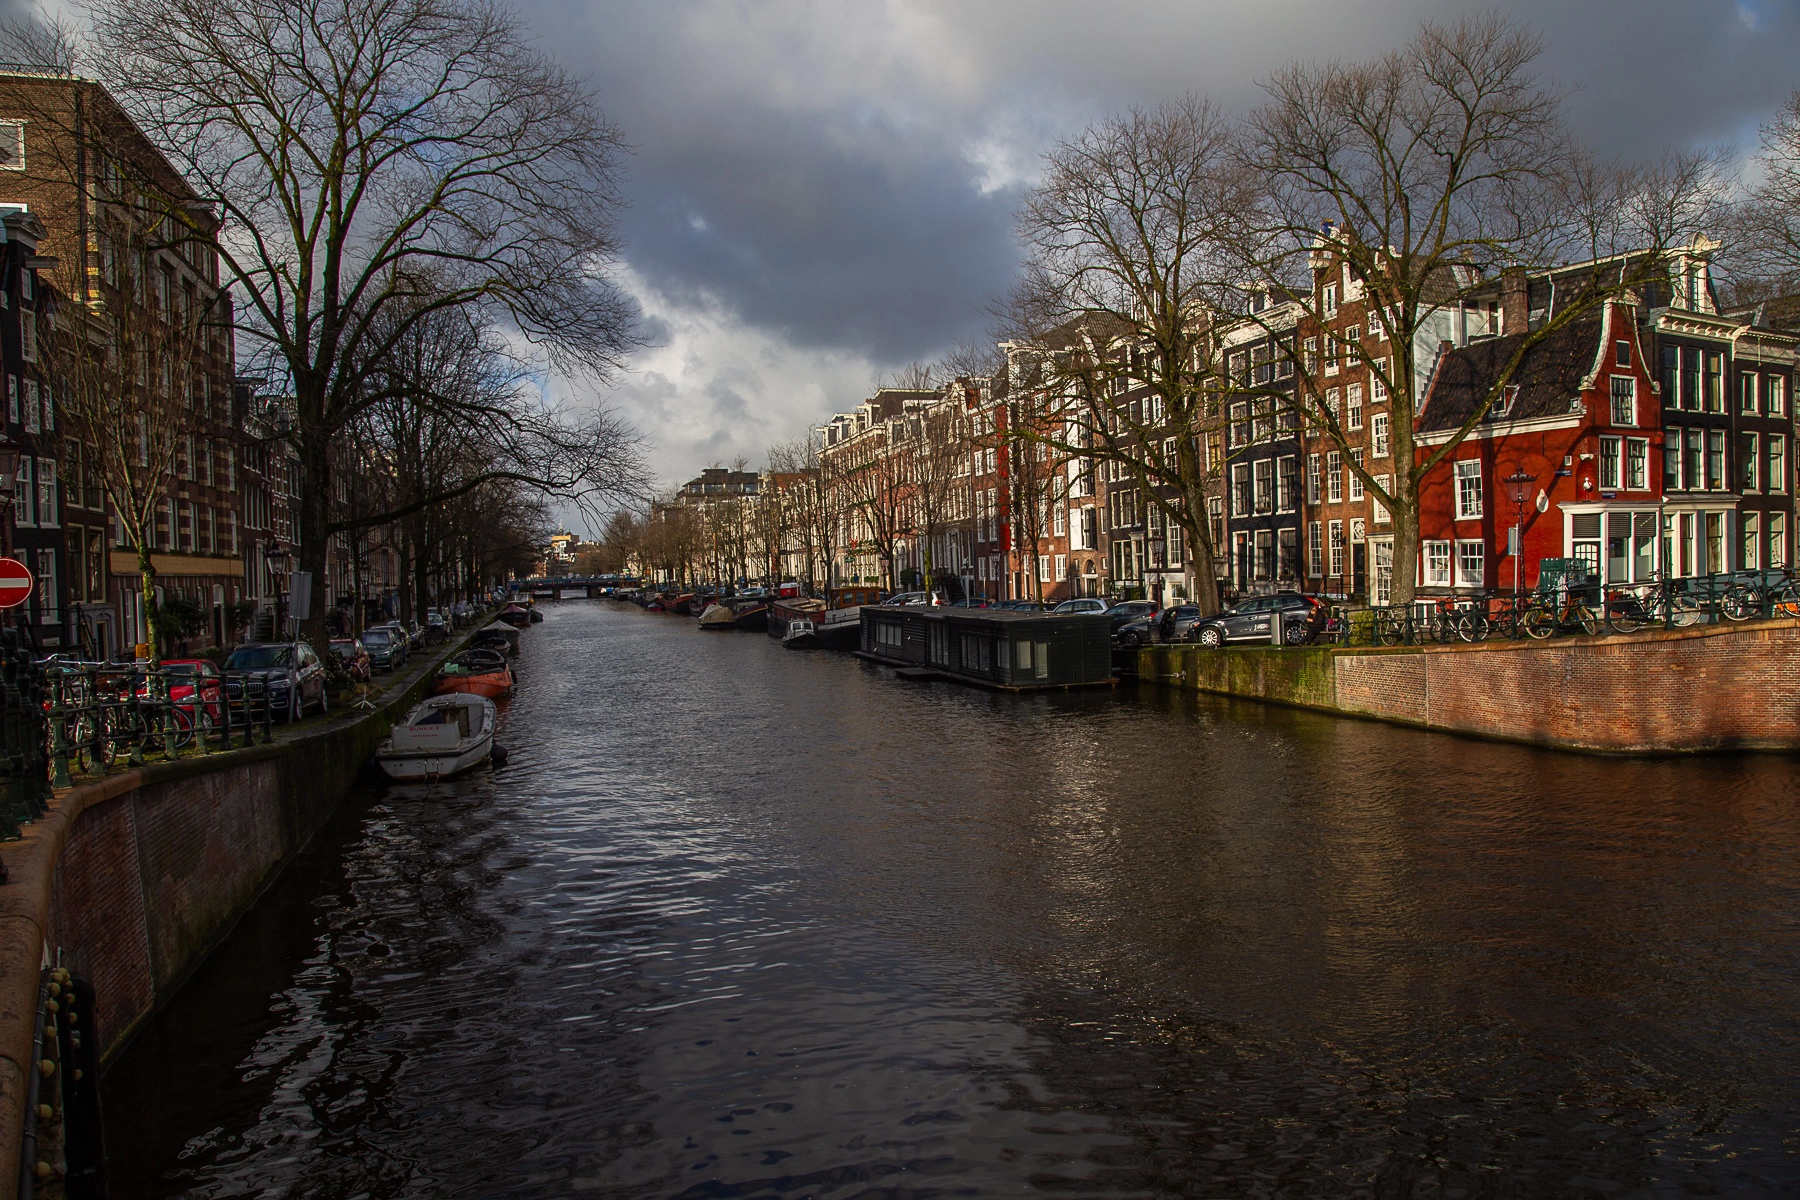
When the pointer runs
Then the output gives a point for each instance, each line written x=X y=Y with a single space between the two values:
x=1129 y=610
x=289 y=672
x=1253 y=620
x=387 y=651
x=1175 y=621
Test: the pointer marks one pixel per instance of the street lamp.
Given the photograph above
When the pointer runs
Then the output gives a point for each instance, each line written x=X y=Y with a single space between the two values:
x=1518 y=487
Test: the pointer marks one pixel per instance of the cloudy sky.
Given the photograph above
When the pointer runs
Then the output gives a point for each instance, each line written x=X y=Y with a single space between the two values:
x=823 y=192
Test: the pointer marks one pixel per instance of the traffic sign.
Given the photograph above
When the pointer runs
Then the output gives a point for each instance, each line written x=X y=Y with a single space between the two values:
x=15 y=583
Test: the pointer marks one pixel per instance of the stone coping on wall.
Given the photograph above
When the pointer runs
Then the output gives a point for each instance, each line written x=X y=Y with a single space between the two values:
x=26 y=898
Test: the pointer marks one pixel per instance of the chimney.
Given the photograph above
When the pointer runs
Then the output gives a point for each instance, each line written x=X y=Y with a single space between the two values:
x=1515 y=301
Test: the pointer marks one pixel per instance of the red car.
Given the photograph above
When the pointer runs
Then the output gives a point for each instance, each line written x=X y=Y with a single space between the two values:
x=204 y=676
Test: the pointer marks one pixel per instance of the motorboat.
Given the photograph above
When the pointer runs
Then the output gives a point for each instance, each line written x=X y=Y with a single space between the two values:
x=515 y=615
x=489 y=636
x=477 y=672
x=802 y=634
x=444 y=736
x=718 y=616
x=750 y=614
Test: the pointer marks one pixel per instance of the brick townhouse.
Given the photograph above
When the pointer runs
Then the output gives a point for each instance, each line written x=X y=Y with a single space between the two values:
x=1263 y=445
x=71 y=155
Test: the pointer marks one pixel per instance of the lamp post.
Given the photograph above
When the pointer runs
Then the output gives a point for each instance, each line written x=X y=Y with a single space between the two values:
x=1518 y=487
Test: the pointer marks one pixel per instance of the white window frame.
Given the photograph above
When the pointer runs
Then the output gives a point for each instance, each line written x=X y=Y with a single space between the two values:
x=1637 y=464
x=1436 y=572
x=1334 y=480
x=1467 y=549
x=1380 y=441
x=1611 y=465
x=1468 y=489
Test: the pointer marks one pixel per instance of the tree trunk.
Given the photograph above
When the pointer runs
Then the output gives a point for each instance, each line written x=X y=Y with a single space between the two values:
x=315 y=523
x=147 y=584
x=1406 y=553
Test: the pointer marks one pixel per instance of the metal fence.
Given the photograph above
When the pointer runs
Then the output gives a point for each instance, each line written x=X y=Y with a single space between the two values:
x=1575 y=605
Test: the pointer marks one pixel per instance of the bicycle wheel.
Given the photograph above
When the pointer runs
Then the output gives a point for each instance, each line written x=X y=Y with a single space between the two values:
x=184 y=727
x=1388 y=631
x=1588 y=619
x=1625 y=615
x=1784 y=601
x=1472 y=627
x=1539 y=622
x=1740 y=603
x=1685 y=611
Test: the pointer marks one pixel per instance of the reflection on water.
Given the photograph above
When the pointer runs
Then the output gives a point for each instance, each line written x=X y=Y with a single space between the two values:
x=739 y=921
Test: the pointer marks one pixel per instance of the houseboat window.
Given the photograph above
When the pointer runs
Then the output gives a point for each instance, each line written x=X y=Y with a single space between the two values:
x=977 y=653
x=940 y=644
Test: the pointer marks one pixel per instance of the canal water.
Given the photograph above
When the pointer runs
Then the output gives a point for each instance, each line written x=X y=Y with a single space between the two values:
x=738 y=921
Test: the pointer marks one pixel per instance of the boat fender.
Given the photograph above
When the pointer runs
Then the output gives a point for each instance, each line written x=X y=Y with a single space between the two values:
x=498 y=755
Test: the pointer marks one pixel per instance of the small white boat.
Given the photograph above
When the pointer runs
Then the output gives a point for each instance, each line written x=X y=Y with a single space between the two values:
x=444 y=736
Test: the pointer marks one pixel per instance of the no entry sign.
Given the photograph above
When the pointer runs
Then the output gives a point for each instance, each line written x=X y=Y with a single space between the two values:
x=15 y=583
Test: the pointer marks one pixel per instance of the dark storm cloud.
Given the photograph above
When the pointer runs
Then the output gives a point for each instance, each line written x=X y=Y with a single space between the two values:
x=838 y=179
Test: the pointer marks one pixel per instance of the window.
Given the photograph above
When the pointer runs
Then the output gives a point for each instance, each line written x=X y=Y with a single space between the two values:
x=1621 y=354
x=1312 y=479
x=1315 y=549
x=1470 y=564
x=13 y=388
x=1265 y=555
x=1043 y=568
x=46 y=483
x=30 y=389
x=1715 y=459
x=1778 y=547
x=1381 y=512
x=1774 y=400
x=1265 y=485
x=1715 y=367
x=1333 y=405
x=1356 y=483
x=1690 y=379
x=1637 y=464
x=1334 y=480
x=1378 y=433
x=1336 y=531
x=1624 y=400
x=1331 y=356
x=25 y=492
x=1751 y=529
x=1062 y=567
x=12 y=145
x=1437 y=564
x=1240 y=424
x=1330 y=301
x=1353 y=394
x=1286 y=468
x=1747 y=393
x=48 y=595
x=1059 y=521
x=1378 y=392
x=1468 y=489
x=1240 y=490
x=1777 y=451
x=1749 y=463
x=1309 y=355
x=1609 y=463
x=28 y=336
x=231 y=532
x=1693 y=460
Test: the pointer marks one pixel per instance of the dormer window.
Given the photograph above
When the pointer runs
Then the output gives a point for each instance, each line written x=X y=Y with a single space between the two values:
x=1509 y=399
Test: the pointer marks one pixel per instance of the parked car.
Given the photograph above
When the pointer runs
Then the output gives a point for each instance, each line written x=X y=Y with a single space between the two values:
x=350 y=652
x=290 y=672
x=912 y=599
x=202 y=680
x=1175 y=620
x=1085 y=604
x=1128 y=610
x=1136 y=632
x=385 y=648
x=1253 y=620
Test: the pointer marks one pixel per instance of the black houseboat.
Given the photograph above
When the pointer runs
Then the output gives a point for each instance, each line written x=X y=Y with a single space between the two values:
x=995 y=648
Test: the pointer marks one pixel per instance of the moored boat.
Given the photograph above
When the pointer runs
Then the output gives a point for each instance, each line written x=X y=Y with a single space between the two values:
x=753 y=616
x=841 y=629
x=495 y=636
x=718 y=616
x=444 y=736
x=515 y=615
x=477 y=672
x=802 y=634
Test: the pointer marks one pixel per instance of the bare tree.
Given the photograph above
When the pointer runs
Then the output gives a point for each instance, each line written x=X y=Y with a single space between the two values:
x=871 y=474
x=355 y=149
x=1132 y=240
x=940 y=459
x=1765 y=249
x=1411 y=181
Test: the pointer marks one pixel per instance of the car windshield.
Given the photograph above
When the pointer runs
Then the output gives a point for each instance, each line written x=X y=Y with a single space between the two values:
x=255 y=658
x=180 y=668
x=378 y=636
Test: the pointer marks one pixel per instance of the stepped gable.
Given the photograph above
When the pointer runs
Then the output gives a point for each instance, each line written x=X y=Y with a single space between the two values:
x=1549 y=378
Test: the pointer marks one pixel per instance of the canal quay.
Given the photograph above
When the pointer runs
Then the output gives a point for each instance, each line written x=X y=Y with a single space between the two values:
x=739 y=921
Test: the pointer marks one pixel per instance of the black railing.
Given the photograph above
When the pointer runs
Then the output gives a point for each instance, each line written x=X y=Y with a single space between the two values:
x=1576 y=608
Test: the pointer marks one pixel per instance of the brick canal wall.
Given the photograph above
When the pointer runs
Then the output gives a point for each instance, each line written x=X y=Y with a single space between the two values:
x=1712 y=688
x=137 y=877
